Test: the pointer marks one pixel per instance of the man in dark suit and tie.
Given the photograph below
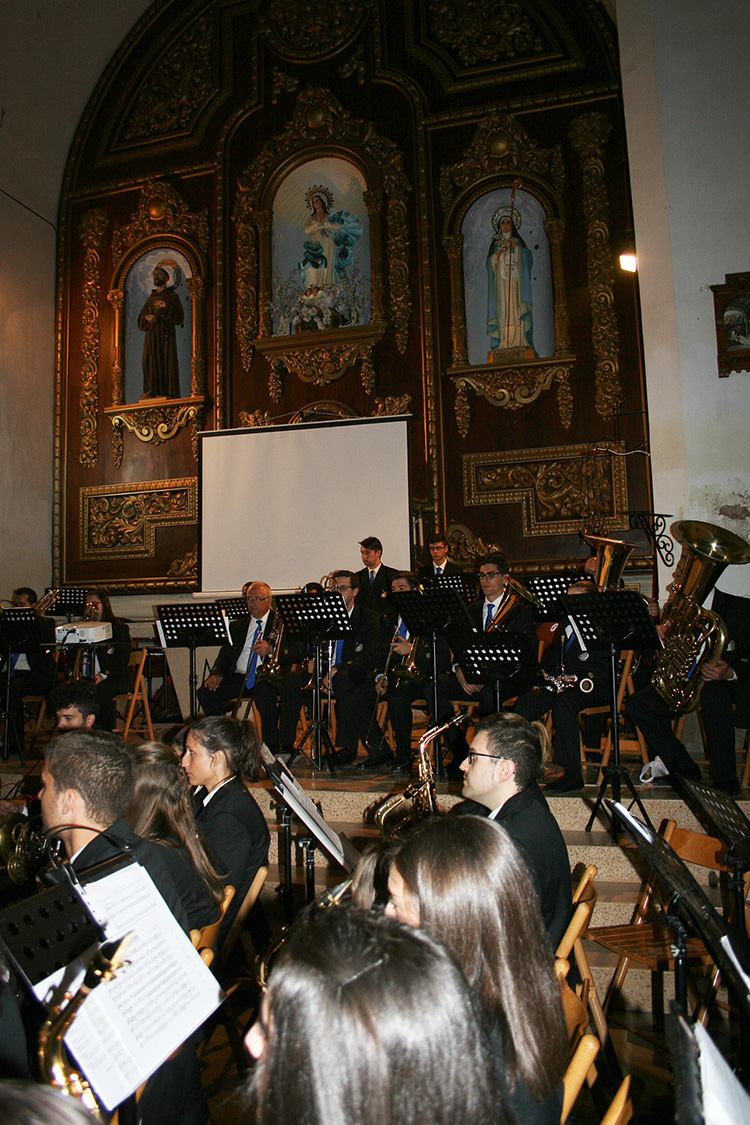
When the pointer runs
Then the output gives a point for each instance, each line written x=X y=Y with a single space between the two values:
x=352 y=677
x=374 y=579
x=235 y=670
x=440 y=564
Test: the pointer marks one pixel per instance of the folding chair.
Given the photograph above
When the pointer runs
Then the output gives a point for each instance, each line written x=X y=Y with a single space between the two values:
x=137 y=698
x=204 y=939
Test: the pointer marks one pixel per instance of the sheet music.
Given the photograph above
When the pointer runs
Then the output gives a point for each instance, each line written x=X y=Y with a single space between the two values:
x=127 y=1027
x=724 y=1100
x=301 y=805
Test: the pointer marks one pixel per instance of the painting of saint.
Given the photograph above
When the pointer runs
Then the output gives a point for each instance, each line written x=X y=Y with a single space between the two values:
x=160 y=316
x=509 y=301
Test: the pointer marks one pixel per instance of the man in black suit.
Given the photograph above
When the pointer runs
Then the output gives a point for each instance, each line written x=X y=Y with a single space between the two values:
x=493 y=576
x=440 y=564
x=351 y=677
x=374 y=579
x=87 y=786
x=726 y=684
x=567 y=658
x=501 y=773
x=236 y=669
x=32 y=670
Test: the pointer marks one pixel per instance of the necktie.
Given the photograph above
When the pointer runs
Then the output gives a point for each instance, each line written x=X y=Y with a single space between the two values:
x=337 y=654
x=13 y=662
x=438 y=571
x=402 y=630
x=250 y=680
x=490 y=614
x=372 y=577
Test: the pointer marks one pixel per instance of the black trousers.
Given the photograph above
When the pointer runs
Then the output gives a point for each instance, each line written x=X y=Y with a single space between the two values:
x=265 y=696
x=565 y=706
x=355 y=703
x=400 y=697
x=651 y=714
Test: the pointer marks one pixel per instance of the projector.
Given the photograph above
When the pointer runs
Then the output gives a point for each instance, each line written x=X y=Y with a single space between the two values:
x=83 y=632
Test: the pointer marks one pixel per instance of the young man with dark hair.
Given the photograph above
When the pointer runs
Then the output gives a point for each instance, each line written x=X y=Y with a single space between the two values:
x=374 y=579
x=75 y=704
x=501 y=773
x=439 y=563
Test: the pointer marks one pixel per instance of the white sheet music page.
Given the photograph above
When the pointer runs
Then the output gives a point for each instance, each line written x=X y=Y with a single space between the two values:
x=129 y=1026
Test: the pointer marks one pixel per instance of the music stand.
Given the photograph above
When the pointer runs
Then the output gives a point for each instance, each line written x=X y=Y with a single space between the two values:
x=315 y=619
x=499 y=658
x=611 y=621
x=70 y=602
x=233 y=607
x=548 y=590
x=188 y=626
x=464 y=584
x=689 y=907
x=432 y=611
x=19 y=627
x=722 y=817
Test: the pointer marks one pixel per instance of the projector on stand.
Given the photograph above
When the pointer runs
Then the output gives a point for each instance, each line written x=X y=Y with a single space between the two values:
x=83 y=632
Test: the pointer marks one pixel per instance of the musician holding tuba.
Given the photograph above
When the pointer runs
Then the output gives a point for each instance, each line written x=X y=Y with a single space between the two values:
x=406 y=671
x=706 y=658
x=505 y=605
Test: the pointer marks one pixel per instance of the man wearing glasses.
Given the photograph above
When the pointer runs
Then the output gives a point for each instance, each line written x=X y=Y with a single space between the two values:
x=439 y=563
x=352 y=677
x=501 y=774
x=235 y=670
x=493 y=579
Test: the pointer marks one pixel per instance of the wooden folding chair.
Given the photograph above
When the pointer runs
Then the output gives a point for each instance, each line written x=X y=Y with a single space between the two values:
x=241 y=917
x=635 y=744
x=204 y=939
x=650 y=944
x=137 y=698
x=577 y=1072
x=621 y=1108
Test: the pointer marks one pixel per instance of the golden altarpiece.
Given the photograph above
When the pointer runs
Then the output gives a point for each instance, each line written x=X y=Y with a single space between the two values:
x=274 y=210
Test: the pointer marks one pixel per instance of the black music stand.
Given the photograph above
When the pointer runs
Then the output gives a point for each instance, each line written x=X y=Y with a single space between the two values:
x=433 y=611
x=722 y=817
x=611 y=621
x=188 y=626
x=464 y=584
x=19 y=628
x=548 y=590
x=315 y=619
x=690 y=909
x=500 y=658
x=233 y=607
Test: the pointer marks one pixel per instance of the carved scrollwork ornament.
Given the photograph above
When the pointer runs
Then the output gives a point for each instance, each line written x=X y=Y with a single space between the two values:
x=185 y=568
x=254 y=419
x=92 y=229
x=499 y=143
x=513 y=387
x=120 y=521
x=485 y=31
x=160 y=211
x=154 y=424
x=392 y=404
x=281 y=82
x=299 y=30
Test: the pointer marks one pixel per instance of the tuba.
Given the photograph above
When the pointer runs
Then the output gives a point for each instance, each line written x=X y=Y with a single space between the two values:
x=695 y=635
x=611 y=558
x=515 y=598
x=24 y=848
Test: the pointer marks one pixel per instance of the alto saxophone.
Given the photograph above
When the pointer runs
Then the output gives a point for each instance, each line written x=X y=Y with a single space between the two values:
x=53 y=1059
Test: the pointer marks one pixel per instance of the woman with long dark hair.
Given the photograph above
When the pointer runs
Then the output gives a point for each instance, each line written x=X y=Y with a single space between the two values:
x=364 y=1021
x=463 y=881
x=110 y=671
x=162 y=811
x=221 y=755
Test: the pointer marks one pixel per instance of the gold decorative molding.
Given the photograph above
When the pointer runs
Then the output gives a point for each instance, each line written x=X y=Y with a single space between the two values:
x=160 y=211
x=486 y=31
x=355 y=65
x=320 y=120
x=254 y=419
x=558 y=487
x=589 y=134
x=119 y=521
x=465 y=546
x=185 y=568
x=178 y=87
x=301 y=31
x=320 y=357
x=92 y=228
x=155 y=421
x=499 y=144
x=391 y=405
x=281 y=82
x=514 y=387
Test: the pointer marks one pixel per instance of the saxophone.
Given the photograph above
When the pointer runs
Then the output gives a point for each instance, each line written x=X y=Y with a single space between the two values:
x=53 y=1059
x=695 y=635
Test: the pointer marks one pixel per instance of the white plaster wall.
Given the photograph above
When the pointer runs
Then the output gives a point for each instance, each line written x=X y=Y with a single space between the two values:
x=52 y=53
x=685 y=86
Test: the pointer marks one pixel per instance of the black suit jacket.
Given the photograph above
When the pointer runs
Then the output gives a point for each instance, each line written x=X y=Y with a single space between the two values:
x=375 y=597
x=536 y=832
x=428 y=571
x=423 y=652
x=359 y=654
x=113 y=657
x=237 y=836
x=224 y=665
x=735 y=613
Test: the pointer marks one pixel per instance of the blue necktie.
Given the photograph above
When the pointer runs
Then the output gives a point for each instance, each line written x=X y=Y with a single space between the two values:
x=250 y=681
x=438 y=571
x=337 y=653
x=490 y=614
x=372 y=577
x=402 y=630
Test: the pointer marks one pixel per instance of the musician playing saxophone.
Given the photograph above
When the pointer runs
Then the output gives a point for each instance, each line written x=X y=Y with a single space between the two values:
x=399 y=689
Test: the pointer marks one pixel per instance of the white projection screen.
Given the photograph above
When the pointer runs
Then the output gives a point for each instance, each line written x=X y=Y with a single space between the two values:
x=288 y=504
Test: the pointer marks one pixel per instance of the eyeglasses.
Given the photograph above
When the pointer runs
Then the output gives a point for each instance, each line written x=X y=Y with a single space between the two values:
x=487 y=575
x=341 y=588
x=266 y=599
x=476 y=754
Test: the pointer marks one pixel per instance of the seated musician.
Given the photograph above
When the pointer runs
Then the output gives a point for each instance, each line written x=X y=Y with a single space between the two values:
x=110 y=670
x=565 y=702
x=493 y=575
x=401 y=691
x=439 y=563
x=32 y=670
x=237 y=670
x=351 y=678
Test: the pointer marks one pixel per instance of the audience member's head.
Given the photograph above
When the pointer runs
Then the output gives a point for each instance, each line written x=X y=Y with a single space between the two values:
x=217 y=748
x=34 y=1103
x=364 y=1021
x=506 y=755
x=87 y=781
x=75 y=704
x=463 y=881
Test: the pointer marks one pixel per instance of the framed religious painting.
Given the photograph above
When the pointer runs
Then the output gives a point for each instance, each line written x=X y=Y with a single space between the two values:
x=732 y=318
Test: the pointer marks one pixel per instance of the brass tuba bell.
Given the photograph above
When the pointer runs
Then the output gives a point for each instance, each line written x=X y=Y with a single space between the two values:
x=611 y=558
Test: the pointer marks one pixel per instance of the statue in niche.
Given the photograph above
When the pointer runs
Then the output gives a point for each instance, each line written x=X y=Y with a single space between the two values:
x=160 y=316
x=327 y=254
x=509 y=305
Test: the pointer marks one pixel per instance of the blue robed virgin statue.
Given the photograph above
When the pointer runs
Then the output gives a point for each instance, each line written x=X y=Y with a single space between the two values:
x=331 y=236
x=509 y=306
